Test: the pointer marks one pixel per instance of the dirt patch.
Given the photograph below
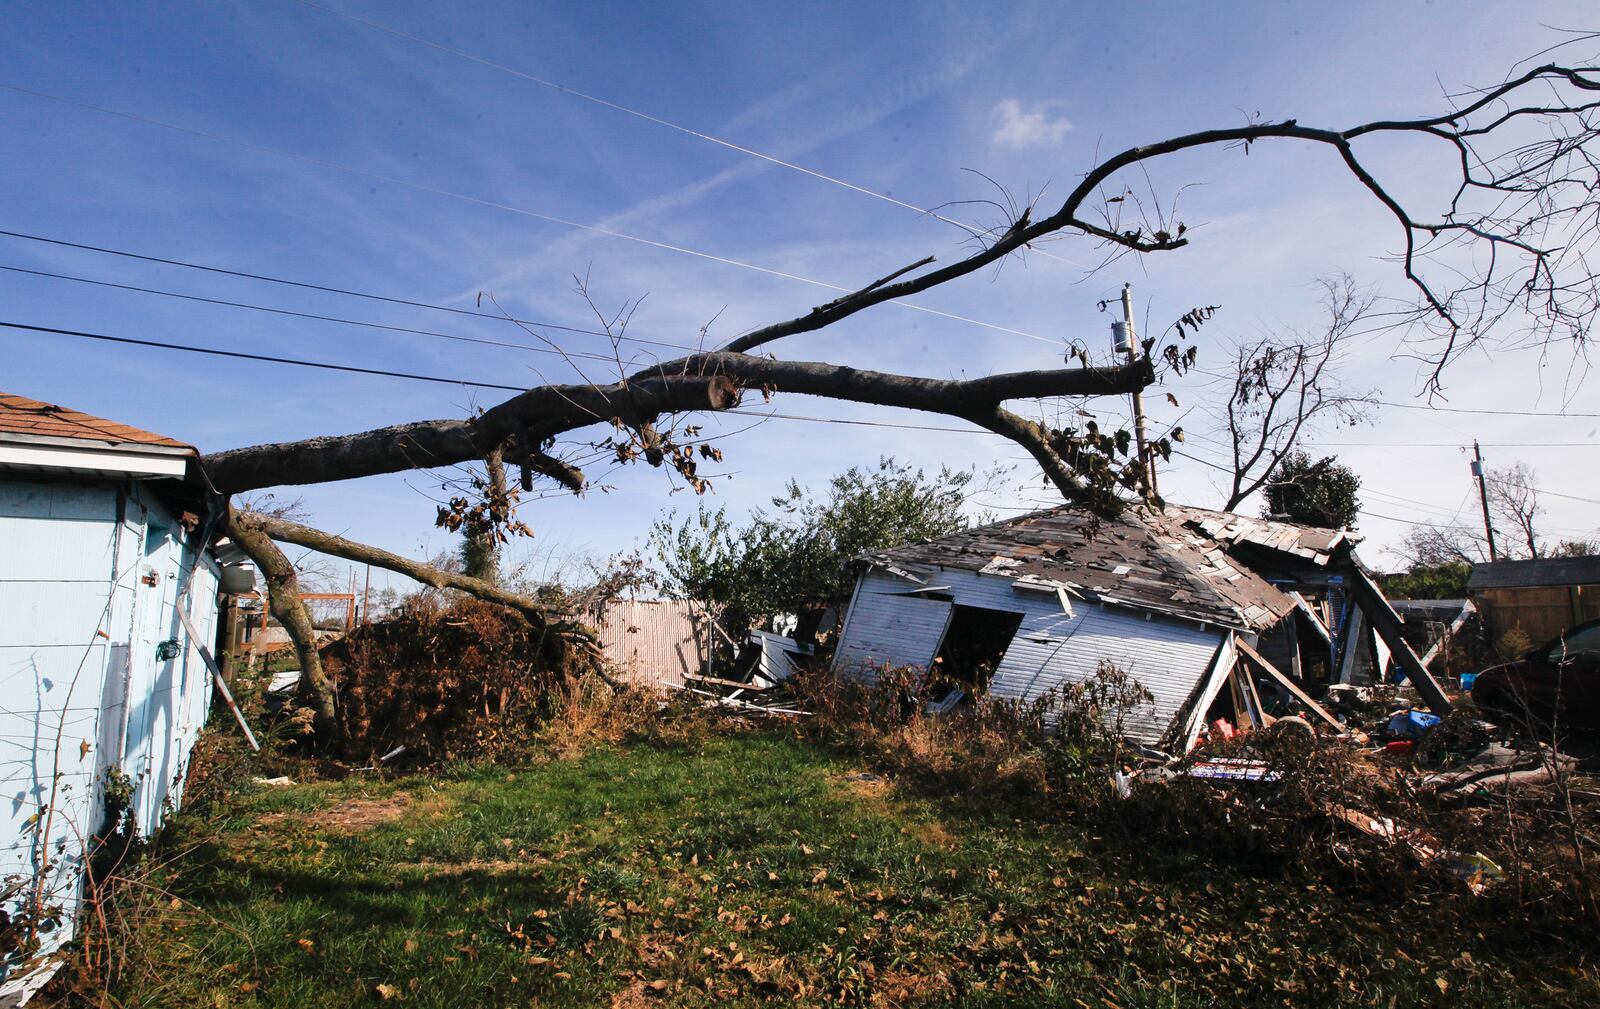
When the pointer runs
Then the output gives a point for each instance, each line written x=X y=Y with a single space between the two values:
x=486 y=866
x=864 y=784
x=935 y=834
x=358 y=815
x=632 y=997
x=656 y=949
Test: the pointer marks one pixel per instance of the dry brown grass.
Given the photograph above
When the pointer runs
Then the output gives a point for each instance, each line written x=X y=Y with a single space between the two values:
x=360 y=814
x=584 y=713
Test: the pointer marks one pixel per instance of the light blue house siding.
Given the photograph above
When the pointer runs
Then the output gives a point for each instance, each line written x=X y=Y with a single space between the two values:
x=96 y=672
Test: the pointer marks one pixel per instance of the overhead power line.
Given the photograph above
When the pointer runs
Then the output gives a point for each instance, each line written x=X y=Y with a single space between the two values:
x=864 y=423
x=306 y=285
x=1368 y=511
x=1542 y=490
x=586 y=355
x=498 y=205
x=416 y=377
x=1485 y=412
x=243 y=356
x=1452 y=444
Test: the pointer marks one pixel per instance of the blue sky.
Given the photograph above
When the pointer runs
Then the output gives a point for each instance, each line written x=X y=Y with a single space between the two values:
x=312 y=147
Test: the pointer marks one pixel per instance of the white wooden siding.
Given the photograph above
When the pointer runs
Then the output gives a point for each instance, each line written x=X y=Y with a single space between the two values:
x=1051 y=649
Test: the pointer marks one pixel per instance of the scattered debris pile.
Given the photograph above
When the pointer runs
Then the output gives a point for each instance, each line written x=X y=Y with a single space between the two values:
x=445 y=681
x=762 y=680
x=1453 y=795
x=1361 y=780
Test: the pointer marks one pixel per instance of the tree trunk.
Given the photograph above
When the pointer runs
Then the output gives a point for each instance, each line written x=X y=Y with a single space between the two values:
x=480 y=549
x=700 y=382
x=283 y=599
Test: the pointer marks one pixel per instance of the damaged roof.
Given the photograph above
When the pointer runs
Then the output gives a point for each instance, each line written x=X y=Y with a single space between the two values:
x=1306 y=542
x=1166 y=562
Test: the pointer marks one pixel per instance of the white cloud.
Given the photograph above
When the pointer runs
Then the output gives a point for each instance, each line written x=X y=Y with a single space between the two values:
x=1027 y=127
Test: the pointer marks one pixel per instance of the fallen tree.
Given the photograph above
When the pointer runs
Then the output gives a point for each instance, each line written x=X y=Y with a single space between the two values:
x=1518 y=205
x=702 y=382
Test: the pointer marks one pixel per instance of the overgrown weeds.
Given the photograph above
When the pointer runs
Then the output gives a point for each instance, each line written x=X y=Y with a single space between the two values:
x=134 y=932
x=1317 y=808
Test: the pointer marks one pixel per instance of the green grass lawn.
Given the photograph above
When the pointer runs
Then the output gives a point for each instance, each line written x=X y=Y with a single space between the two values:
x=754 y=868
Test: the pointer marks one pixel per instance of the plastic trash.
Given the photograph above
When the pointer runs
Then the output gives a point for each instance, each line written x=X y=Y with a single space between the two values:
x=1476 y=870
x=1412 y=724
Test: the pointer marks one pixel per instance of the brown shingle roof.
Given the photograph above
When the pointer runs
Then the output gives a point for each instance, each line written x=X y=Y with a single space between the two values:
x=1150 y=559
x=21 y=415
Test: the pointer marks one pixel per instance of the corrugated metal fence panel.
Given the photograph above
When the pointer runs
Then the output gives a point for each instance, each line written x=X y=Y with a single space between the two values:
x=886 y=627
x=653 y=641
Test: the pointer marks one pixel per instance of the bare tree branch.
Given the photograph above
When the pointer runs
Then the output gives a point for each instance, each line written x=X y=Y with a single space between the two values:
x=1514 y=499
x=1282 y=388
x=287 y=531
x=285 y=604
x=1522 y=215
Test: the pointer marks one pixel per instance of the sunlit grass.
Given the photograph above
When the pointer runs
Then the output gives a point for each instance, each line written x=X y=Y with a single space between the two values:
x=750 y=868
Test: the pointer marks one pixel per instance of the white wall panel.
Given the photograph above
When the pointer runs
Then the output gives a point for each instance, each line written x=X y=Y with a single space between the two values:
x=1052 y=649
x=886 y=627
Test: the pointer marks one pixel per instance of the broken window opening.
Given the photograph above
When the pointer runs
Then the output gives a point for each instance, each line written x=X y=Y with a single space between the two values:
x=974 y=643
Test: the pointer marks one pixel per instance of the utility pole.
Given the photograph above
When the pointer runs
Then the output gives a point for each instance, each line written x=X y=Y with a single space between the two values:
x=1483 y=497
x=1130 y=340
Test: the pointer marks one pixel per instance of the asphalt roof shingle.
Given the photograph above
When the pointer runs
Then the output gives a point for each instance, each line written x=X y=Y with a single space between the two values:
x=21 y=415
x=1175 y=561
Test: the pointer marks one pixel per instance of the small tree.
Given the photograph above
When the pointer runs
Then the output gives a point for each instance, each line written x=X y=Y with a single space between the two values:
x=1320 y=493
x=1514 y=502
x=1442 y=581
x=797 y=559
x=485 y=523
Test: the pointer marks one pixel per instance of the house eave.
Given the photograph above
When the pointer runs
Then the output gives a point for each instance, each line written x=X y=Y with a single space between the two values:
x=27 y=453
